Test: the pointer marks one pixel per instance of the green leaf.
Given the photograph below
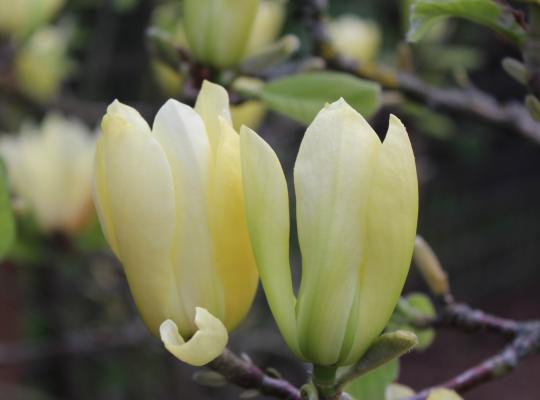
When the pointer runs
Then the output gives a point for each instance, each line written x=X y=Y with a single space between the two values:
x=302 y=96
x=426 y=13
x=412 y=306
x=373 y=385
x=7 y=221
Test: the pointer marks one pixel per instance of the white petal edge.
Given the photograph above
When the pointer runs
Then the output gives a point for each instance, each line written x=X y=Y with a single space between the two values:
x=213 y=103
x=203 y=347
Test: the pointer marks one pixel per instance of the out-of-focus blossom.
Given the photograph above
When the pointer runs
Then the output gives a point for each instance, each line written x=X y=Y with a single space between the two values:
x=20 y=17
x=50 y=172
x=222 y=32
x=267 y=26
x=355 y=38
x=42 y=63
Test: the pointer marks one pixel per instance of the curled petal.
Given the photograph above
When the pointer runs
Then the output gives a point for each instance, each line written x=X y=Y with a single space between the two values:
x=204 y=346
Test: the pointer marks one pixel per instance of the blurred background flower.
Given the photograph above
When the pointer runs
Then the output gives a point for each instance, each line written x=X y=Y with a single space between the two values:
x=50 y=172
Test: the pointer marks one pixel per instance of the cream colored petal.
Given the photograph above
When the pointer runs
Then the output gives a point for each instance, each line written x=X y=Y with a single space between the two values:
x=392 y=218
x=101 y=197
x=218 y=30
x=206 y=344
x=234 y=257
x=181 y=133
x=267 y=212
x=137 y=195
x=212 y=104
x=332 y=178
x=267 y=26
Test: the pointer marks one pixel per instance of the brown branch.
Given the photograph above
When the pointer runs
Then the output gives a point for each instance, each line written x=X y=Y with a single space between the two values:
x=242 y=372
x=469 y=101
x=525 y=344
x=462 y=316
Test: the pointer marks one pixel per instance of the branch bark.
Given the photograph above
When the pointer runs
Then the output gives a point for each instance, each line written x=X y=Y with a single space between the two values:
x=526 y=343
x=469 y=101
x=243 y=373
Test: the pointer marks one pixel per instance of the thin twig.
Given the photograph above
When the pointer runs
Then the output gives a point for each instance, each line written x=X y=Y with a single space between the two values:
x=462 y=316
x=242 y=372
x=469 y=101
x=525 y=344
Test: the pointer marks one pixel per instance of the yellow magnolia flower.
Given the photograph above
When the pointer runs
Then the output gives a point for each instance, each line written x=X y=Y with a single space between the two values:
x=50 y=171
x=355 y=38
x=170 y=202
x=357 y=206
x=267 y=26
x=20 y=17
x=222 y=32
x=42 y=63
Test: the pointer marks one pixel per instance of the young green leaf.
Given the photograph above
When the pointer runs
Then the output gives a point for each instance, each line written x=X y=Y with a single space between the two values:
x=373 y=385
x=414 y=305
x=302 y=96
x=426 y=13
x=7 y=221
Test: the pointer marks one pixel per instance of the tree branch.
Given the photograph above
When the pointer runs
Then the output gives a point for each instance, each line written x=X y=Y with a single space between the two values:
x=242 y=372
x=469 y=101
x=525 y=344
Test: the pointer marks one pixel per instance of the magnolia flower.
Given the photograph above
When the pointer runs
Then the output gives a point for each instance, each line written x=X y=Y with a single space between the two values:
x=20 y=17
x=42 y=63
x=170 y=202
x=355 y=38
x=50 y=172
x=357 y=206
x=222 y=32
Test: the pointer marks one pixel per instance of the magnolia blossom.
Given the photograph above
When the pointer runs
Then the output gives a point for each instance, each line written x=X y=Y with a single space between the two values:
x=20 y=17
x=355 y=38
x=356 y=211
x=171 y=205
x=50 y=172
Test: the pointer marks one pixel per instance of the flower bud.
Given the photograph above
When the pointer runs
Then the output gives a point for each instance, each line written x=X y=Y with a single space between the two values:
x=20 y=17
x=218 y=30
x=50 y=172
x=268 y=24
x=42 y=63
x=355 y=38
x=357 y=207
x=170 y=202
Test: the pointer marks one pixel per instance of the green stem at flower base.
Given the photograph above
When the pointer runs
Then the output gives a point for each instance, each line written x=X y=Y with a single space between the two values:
x=324 y=379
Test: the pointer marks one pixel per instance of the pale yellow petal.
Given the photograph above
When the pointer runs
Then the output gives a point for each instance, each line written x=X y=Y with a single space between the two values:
x=392 y=218
x=267 y=26
x=138 y=196
x=267 y=212
x=212 y=104
x=234 y=257
x=181 y=133
x=332 y=179
x=218 y=30
x=204 y=346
